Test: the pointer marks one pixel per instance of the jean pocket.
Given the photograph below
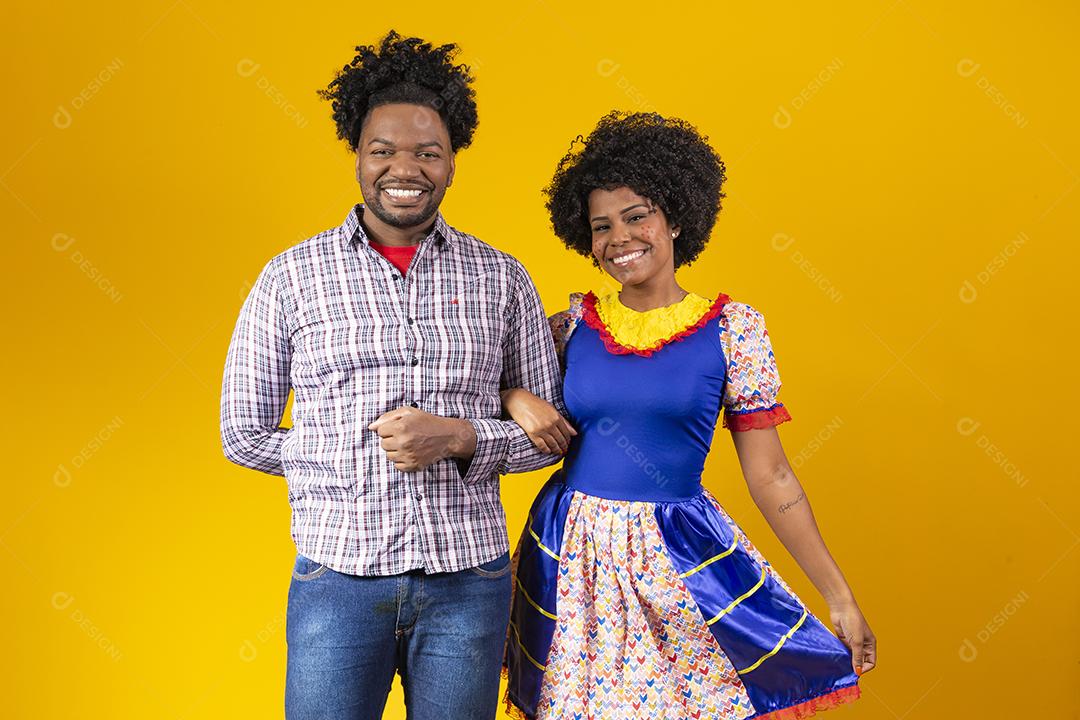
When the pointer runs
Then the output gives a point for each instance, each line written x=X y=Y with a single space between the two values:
x=494 y=568
x=305 y=569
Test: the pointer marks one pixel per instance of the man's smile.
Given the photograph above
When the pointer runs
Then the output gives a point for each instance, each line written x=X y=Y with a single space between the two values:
x=404 y=195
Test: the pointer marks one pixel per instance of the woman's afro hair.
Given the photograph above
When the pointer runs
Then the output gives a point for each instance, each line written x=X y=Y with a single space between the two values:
x=403 y=70
x=663 y=159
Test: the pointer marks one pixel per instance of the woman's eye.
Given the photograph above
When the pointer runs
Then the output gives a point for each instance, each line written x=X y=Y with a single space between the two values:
x=635 y=218
x=599 y=228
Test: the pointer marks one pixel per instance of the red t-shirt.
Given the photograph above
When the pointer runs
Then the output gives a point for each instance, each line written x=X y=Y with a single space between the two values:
x=399 y=256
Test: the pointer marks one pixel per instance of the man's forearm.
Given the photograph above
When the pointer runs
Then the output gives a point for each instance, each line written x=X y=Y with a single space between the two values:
x=462 y=439
x=523 y=455
x=254 y=448
x=491 y=446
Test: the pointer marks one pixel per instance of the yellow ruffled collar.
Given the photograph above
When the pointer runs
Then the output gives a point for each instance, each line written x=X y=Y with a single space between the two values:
x=626 y=330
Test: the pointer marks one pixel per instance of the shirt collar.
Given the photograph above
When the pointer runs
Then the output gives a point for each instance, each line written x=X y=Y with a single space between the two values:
x=353 y=231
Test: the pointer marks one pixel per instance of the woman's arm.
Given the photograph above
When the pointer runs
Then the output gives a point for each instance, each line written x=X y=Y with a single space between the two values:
x=784 y=504
x=542 y=422
x=548 y=430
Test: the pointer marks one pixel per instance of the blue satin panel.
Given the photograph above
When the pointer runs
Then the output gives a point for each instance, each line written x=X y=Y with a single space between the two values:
x=538 y=574
x=811 y=662
x=644 y=424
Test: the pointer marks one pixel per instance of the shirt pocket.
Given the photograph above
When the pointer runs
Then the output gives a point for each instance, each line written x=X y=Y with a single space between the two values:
x=464 y=324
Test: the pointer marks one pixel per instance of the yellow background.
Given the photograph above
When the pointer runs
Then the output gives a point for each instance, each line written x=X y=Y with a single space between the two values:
x=902 y=208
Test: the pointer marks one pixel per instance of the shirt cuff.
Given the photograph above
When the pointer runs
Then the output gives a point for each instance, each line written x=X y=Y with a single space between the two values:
x=492 y=447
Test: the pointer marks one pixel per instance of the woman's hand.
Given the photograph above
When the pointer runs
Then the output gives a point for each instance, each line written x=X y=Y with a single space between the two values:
x=548 y=430
x=853 y=631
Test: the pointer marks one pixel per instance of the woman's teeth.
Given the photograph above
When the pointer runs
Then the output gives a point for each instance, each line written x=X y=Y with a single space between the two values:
x=624 y=259
x=402 y=194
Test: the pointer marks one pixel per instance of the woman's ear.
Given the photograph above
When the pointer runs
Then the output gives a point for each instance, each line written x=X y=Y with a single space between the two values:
x=675 y=232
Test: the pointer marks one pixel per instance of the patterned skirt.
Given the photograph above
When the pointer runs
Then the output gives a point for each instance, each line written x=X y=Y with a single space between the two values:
x=634 y=610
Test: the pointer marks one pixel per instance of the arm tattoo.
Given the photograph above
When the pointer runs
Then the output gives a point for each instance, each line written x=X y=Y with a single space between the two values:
x=788 y=505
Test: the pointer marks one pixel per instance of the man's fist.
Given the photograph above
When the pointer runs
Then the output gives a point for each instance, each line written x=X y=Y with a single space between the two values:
x=414 y=439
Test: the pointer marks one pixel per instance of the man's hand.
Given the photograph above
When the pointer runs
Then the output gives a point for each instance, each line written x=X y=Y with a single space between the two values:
x=414 y=439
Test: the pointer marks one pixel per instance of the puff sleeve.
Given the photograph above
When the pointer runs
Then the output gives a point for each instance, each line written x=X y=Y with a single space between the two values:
x=753 y=381
x=562 y=325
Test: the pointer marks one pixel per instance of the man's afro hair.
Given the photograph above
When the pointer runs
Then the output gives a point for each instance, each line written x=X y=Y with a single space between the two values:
x=403 y=70
x=663 y=159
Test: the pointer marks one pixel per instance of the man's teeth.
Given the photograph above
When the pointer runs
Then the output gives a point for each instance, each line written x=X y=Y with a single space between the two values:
x=402 y=193
x=623 y=259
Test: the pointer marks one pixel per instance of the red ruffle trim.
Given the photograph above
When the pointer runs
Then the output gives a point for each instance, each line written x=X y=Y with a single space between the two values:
x=823 y=702
x=593 y=320
x=800 y=711
x=757 y=419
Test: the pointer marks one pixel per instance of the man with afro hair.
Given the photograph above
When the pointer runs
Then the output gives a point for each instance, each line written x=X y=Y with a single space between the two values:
x=396 y=333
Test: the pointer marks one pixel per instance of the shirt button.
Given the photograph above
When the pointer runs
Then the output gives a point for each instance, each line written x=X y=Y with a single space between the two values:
x=415 y=404
x=418 y=496
x=410 y=321
x=415 y=361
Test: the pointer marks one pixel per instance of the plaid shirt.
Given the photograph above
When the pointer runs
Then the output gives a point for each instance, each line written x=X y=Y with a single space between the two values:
x=335 y=321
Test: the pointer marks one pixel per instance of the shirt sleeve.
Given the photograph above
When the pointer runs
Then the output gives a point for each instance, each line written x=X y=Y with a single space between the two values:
x=255 y=388
x=530 y=362
x=753 y=380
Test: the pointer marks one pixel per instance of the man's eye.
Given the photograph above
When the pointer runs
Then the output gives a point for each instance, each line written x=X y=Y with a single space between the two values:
x=428 y=155
x=380 y=152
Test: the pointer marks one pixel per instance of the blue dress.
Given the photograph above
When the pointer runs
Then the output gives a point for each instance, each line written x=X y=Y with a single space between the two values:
x=636 y=594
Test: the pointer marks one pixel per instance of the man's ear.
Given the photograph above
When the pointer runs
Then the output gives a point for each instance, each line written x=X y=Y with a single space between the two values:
x=450 y=177
x=357 y=150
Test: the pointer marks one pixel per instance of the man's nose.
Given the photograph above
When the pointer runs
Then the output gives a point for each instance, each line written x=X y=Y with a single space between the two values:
x=404 y=167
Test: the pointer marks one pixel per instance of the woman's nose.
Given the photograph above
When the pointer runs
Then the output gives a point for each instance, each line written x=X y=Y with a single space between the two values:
x=621 y=234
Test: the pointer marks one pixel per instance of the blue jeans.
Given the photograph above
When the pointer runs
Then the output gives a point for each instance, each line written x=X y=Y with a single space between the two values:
x=347 y=635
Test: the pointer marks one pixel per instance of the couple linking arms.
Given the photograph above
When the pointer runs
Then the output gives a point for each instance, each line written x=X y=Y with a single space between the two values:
x=423 y=368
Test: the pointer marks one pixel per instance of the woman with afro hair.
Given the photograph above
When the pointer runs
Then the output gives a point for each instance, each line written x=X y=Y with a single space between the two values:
x=636 y=594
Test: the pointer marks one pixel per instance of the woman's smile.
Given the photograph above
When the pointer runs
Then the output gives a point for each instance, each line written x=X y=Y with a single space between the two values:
x=629 y=257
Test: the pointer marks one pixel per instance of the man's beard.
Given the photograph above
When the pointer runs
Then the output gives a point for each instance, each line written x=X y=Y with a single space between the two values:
x=403 y=219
